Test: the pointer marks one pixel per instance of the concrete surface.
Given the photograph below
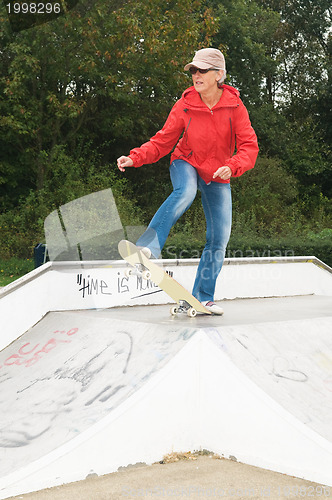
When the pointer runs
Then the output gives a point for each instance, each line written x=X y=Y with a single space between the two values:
x=75 y=370
x=203 y=477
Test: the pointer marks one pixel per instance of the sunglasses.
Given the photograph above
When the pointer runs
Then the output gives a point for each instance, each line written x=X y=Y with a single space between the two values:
x=194 y=70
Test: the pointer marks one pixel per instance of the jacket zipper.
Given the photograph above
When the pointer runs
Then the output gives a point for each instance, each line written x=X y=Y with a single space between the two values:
x=185 y=132
x=230 y=146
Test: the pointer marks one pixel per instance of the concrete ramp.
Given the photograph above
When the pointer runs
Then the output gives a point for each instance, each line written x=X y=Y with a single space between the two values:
x=66 y=375
x=89 y=391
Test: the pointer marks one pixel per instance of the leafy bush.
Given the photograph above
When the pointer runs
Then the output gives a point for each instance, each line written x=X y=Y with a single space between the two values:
x=23 y=227
x=181 y=246
x=265 y=199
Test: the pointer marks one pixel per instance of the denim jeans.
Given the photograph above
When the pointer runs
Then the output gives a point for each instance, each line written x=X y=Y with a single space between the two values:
x=217 y=205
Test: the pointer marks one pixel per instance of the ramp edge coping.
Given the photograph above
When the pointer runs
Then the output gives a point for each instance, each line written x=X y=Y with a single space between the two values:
x=66 y=265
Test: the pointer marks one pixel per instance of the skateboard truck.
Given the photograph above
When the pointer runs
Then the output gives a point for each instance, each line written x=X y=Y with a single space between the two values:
x=183 y=307
x=139 y=270
x=142 y=266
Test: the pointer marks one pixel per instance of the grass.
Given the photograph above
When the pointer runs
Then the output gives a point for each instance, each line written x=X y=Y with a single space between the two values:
x=5 y=280
x=14 y=268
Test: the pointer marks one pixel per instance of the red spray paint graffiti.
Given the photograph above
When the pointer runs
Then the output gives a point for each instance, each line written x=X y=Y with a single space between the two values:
x=28 y=355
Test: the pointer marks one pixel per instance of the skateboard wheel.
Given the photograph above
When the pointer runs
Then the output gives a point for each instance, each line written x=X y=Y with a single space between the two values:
x=146 y=275
x=128 y=272
x=191 y=312
x=174 y=310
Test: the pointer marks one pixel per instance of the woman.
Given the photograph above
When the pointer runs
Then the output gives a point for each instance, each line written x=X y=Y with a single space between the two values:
x=213 y=119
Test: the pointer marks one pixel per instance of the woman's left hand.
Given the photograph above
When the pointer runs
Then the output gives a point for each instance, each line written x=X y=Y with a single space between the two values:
x=224 y=173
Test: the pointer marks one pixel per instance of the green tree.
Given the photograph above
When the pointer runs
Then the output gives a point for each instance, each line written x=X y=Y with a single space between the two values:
x=96 y=76
x=278 y=53
x=247 y=36
x=304 y=40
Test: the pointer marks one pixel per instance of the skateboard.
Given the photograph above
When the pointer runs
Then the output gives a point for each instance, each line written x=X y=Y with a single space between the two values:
x=141 y=265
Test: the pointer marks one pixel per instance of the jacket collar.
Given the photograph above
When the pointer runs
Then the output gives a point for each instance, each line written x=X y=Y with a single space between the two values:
x=229 y=98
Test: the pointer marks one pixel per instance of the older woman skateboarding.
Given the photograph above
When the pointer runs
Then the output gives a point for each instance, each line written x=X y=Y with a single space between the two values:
x=212 y=121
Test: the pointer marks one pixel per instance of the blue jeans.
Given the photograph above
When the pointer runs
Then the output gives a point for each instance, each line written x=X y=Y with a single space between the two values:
x=217 y=205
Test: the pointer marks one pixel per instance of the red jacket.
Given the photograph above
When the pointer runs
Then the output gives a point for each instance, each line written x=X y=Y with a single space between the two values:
x=209 y=136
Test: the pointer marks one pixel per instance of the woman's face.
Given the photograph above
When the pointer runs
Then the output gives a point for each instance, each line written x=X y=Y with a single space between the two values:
x=206 y=82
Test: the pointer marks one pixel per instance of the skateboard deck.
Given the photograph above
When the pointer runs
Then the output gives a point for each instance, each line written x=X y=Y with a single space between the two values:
x=149 y=270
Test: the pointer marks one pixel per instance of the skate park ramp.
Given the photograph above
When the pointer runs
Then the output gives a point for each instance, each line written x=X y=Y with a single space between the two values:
x=86 y=391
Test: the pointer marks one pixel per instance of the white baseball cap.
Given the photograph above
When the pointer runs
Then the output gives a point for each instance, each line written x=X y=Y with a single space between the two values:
x=207 y=58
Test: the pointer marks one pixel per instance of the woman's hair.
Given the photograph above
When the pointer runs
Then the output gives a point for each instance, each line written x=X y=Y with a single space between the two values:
x=222 y=79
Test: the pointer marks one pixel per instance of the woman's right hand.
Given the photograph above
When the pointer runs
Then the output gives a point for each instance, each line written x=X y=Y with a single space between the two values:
x=123 y=162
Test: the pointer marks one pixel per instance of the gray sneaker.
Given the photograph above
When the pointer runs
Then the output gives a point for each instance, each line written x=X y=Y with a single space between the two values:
x=212 y=306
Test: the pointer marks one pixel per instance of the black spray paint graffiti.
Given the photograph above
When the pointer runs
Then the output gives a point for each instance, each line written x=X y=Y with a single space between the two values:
x=90 y=286
x=282 y=368
x=78 y=383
